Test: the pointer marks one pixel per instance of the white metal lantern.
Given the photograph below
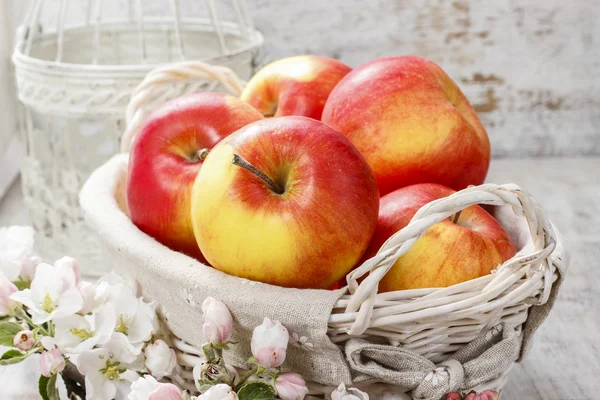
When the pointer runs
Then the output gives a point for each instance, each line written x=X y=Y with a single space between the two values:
x=75 y=80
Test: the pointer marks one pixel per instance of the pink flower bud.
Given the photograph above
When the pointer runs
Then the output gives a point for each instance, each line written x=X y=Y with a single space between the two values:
x=51 y=362
x=160 y=359
x=216 y=321
x=453 y=396
x=7 y=305
x=269 y=343
x=485 y=395
x=290 y=386
x=24 y=340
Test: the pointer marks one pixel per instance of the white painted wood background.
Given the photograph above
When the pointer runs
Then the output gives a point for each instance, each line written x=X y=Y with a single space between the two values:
x=531 y=68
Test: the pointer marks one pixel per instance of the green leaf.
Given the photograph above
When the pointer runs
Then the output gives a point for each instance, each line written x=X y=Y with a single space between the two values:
x=51 y=389
x=8 y=330
x=256 y=391
x=42 y=385
x=12 y=357
x=22 y=285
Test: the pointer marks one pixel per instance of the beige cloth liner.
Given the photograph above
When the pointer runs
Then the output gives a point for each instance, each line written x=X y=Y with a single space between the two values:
x=182 y=283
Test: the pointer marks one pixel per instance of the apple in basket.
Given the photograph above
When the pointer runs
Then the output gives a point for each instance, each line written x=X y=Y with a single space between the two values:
x=165 y=159
x=287 y=201
x=294 y=86
x=411 y=122
x=465 y=246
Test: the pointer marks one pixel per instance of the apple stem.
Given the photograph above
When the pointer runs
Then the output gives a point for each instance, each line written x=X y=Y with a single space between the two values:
x=456 y=216
x=240 y=162
x=202 y=153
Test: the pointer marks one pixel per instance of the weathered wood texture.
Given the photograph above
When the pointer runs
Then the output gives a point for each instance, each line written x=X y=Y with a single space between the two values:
x=530 y=68
x=564 y=362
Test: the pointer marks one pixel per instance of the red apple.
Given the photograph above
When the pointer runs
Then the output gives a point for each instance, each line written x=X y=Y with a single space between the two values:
x=294 y=86
x=466 y=246
x=164 y=162
x=411 y=123
x=287 y=201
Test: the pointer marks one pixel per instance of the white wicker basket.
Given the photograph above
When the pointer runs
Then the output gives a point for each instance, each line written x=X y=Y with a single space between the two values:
x=75 y=80
x=433 y=323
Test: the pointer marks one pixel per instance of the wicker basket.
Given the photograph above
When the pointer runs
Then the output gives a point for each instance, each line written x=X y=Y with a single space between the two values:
x=429 y=323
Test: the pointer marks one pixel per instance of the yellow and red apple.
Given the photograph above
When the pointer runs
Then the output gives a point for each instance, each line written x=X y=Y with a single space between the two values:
x=287 y=201
x=466 y=246
x=294 y=86
x=411 y=122
x=165 y=160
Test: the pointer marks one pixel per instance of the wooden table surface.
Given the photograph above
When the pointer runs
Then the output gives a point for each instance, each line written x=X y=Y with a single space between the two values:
x=564 y=361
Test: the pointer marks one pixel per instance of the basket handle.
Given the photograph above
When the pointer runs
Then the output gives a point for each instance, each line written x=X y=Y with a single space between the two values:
x=363 y=294
x=141 y=96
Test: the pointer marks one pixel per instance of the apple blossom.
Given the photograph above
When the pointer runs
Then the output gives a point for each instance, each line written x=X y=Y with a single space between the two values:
x=290 y=386
x=342 y=393
x=16 y=245
x=216 y=321
x=76 y=333
x=148 y=388
x=160 y=359
x=136 y=319
x=219 y=392
x=381 y=391
x=66 y=265
x=485 y=395
x=269 y=343
x=7 y=288
x=109 y=370
x=51 y=362
x=50 y=295
x=88 y=294
x=24 y=340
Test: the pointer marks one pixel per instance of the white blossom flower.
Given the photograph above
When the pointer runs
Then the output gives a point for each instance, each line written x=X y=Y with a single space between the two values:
x=69 y=269
x=219 y=392
x=343 y=393
x=148 y=388
x=437 y=376
x=136 y=319
x=16 y=245
x=24 y=340
x=7 y=288
x=115 y=279
x=290 y=386
x=51 y=362
x=269 y=343
x=87 y=291
x=76 y=333
x=216 y=321
x=51 y=295
x=160 y=359
x=109 y=370
x=382 y=391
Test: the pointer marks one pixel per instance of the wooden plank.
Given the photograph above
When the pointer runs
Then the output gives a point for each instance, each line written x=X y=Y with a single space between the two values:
x=530 y=68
